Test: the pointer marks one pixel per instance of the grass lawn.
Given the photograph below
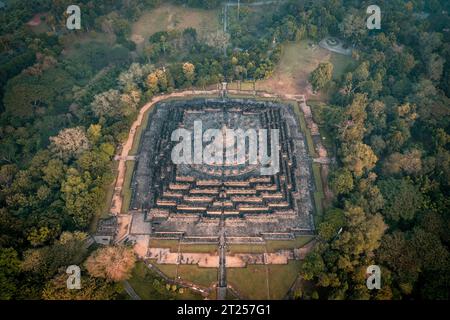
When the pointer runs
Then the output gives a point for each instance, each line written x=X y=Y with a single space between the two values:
x=275 y=245
x=246 y=248
x=169 y=270
x=305 y=130
x=137 y=138
x=199 y=248
x=202 y=276
x=297 y=61
x=340 y=63
x=72 y=42
x=319 y=193
x=126 y=191
x=173 y=246
x=170 y=17
x=150 y=286
x=281 y=278
x=158 y=243
x=317 y=109
x=250 y=282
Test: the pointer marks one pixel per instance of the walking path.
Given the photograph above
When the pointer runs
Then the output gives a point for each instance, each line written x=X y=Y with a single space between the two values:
x=130 y=291
x=222 y=287
x=116 y=203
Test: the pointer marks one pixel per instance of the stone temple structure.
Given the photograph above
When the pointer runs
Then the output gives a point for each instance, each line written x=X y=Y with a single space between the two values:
x=199 y=202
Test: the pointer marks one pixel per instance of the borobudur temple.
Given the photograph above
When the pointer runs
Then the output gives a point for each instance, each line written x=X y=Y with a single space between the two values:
x=198 y=201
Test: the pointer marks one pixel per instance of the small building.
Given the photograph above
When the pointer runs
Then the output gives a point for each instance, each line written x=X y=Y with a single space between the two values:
x=106 y=231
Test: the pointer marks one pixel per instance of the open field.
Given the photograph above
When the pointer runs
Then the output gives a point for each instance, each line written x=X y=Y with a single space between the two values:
x=297 y=61
x=127 y=192
x=200 y=248
x=173 y=245
x=169 y=17
x=143 y=282
x=161 y=243
x=275 y=245
x=250 y=282
x=192 y=273
x=202 y=276
x=281 y=278
x=72 y=42
x=246 y=248
x=170 y=270
x=263 y=282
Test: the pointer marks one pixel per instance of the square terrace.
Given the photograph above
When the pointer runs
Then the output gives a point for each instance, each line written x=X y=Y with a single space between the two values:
x=195 y=201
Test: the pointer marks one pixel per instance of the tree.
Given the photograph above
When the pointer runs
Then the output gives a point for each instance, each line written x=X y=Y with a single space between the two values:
x=312 y=266
x=107 y=104
x=46 y=261
x=112 y=263
x=353 y=27
x=218 y=39
x=358 y=157
x=94 y=133
x=91 y=289
x=81 y=196
x=189 y=72
x=321 y=75
x=409 y=163
x=341 y=181
x=9 y=269
x=352 y=128
x=70 y=143
x=402 y=199
x=329 y=228
x=152 y=82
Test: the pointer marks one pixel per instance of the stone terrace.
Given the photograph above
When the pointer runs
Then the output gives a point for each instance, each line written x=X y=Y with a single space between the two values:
x=189 y=201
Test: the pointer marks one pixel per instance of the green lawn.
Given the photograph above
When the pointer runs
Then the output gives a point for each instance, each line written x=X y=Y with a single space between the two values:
x=170 y=270
x=150 y=286
x=340 y=64
x=139 y=131
x=281 y=278
x=246 y=248
x=298 y=60
x=275 y=245
x=250 y=282
x=126 y=191
x=168 y=17
x=199 y=248
x=305 y=130
x=161 y=243
x=319 y=193
x=202 y=276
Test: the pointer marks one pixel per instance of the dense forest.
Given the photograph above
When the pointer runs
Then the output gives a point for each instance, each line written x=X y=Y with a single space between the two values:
x=65 y=110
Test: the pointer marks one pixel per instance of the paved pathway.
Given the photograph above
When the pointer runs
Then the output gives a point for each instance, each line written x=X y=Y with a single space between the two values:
x=222 y=286
x=130 y=291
